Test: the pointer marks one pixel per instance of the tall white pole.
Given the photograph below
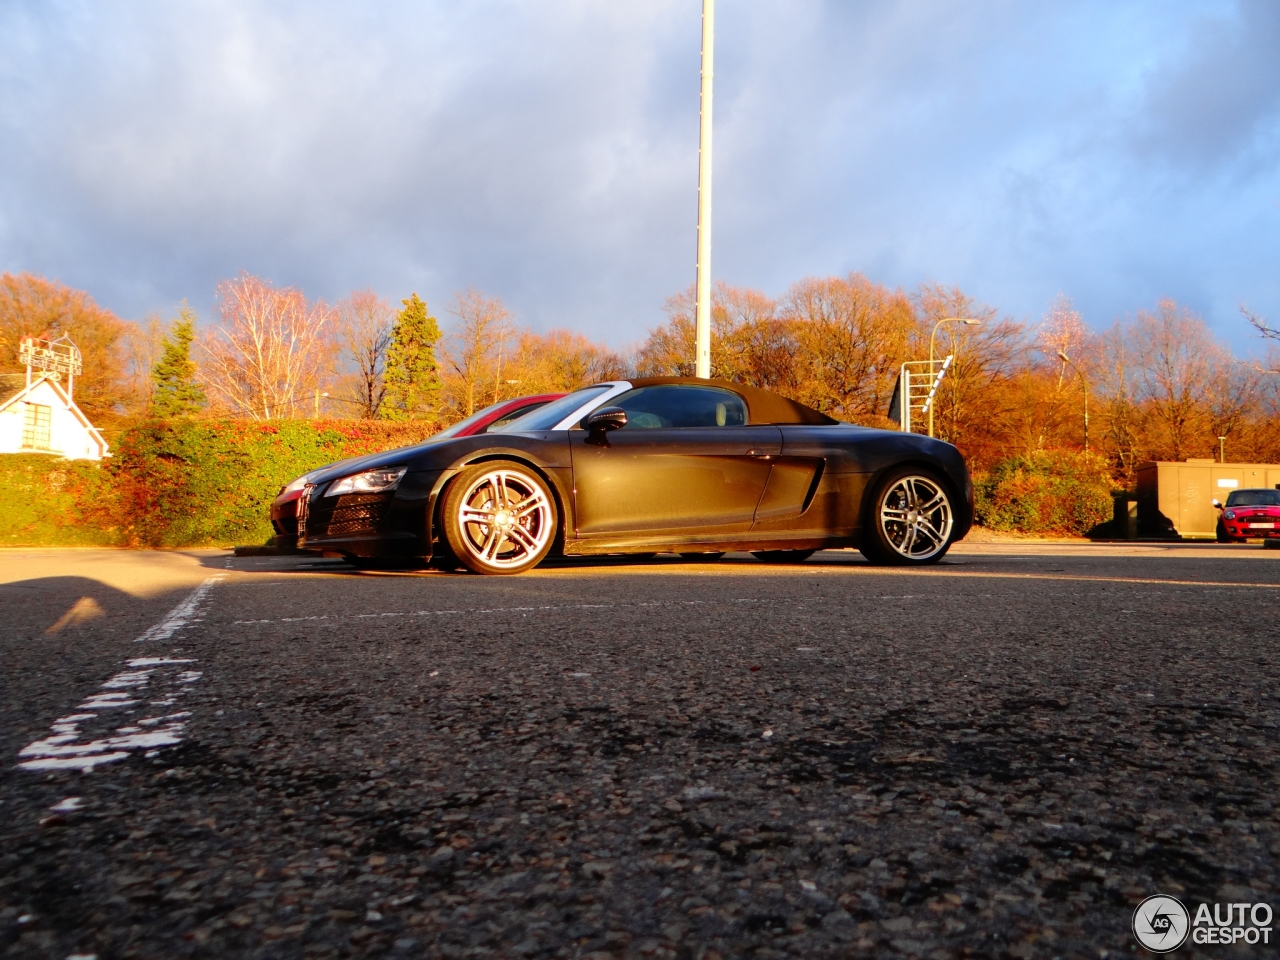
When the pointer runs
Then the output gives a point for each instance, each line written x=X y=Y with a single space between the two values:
x=703 y=358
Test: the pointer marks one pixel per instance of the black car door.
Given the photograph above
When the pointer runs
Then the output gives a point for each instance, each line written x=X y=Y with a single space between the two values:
x=687 y=462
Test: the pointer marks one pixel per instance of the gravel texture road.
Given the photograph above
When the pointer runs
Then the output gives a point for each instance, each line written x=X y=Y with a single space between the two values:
x=999 y=756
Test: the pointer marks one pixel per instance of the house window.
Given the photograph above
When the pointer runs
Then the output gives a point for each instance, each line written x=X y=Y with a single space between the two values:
x=35 y=427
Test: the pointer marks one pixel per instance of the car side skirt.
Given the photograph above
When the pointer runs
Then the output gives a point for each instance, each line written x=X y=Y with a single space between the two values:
x=599 y=546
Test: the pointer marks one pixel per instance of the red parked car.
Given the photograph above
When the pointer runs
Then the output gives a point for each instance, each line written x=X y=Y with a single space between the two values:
x=284 y=515
x=1249 y=514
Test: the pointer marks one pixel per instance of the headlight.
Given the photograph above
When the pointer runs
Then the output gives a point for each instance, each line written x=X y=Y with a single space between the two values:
x=380 y=480
x=295 y=484
x=1228 y=514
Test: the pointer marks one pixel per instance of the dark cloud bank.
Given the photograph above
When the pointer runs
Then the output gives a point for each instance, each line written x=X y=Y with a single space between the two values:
x=1116 y=152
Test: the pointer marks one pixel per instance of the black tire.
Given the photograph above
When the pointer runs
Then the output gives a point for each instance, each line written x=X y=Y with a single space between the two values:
x=1223 y=537
x=895 y=532
x=696 y=557
x=499 y=517
x=783 y=556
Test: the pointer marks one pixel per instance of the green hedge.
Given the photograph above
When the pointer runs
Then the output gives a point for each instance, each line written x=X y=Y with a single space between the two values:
x=1049 y=492
x=54 y=502
x=181 y=483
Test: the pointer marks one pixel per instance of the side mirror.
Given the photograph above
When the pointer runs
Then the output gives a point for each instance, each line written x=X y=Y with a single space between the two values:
x=606 y=418
x=1217 y=504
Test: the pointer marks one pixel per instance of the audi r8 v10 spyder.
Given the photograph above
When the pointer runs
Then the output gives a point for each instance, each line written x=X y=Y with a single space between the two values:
x=284 y=508
x=1249 y=513
x=663 y=464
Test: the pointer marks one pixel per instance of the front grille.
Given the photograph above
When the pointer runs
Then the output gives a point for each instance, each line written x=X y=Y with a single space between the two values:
x=357 y=513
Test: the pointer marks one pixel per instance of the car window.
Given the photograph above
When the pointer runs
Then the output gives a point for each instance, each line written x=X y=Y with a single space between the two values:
x=513 y=415
x=547 y=417
x=677 y=405
x=1254 y=498
x=461 y=425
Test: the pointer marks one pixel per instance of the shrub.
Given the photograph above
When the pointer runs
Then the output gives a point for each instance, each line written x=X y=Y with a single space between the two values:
x=1051 y=492
x=55 y=502
x=210 y=482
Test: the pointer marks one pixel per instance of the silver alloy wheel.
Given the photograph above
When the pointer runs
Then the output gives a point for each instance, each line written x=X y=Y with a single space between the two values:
x=915 y=516
x=506 y=518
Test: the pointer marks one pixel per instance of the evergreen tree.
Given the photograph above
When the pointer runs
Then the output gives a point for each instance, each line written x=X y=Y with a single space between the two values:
x=412 y=376
x=174 y=389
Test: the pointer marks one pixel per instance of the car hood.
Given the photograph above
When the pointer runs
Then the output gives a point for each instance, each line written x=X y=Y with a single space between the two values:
x=344 y=468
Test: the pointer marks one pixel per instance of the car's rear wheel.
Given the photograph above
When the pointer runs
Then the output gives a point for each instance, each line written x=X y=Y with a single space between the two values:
x=782 y=556
x=911 y=519
x=499 y=518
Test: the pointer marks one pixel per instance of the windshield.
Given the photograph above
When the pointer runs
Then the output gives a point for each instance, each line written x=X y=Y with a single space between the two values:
x=1254 y=498
x=544 y=418
x=461 y=425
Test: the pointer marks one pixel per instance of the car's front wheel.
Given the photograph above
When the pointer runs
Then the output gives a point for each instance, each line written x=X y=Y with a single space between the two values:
x=499 y=517
x=911 y=519
x=1224 y=537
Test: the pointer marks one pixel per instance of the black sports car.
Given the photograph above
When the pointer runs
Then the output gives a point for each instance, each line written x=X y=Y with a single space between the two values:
x=639 y=466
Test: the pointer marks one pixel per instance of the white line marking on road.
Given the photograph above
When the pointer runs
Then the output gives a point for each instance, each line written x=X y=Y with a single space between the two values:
x=70 y=746
x=181 y=615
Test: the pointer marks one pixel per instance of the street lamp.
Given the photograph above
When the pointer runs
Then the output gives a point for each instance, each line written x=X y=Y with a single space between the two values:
x=702 y=349
x=1084 y=381
x=968 y=322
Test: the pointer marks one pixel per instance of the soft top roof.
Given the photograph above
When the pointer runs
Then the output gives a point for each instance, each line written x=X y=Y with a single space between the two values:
x=762 y=406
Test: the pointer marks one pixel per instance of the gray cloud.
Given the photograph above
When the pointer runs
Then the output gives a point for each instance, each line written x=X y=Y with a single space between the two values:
x=547 y=153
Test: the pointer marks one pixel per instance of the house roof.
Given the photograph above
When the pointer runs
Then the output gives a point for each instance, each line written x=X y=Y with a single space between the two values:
x=11 y=384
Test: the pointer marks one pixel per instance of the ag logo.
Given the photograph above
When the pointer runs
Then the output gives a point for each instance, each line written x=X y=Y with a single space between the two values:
x=1161 y=923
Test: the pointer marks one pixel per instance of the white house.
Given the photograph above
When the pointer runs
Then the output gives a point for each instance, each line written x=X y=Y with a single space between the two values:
x=42 y=418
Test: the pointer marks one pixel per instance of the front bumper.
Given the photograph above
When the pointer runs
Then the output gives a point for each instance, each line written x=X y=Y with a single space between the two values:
x=1242 y=531
x=369 y=524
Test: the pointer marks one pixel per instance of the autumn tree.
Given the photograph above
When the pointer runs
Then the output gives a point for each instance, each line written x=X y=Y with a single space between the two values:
x=1182 y=374
x=476 y=350
x=1053 y=390
x=175 y=391
x=978 y=406
x=31 y=306
x=559 y=361
x=365 y=329
x=851 y=337
x=141 y=347
x=270 y=351
x=749 y=344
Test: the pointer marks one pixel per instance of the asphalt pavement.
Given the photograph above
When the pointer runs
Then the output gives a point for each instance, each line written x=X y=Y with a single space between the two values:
x=281 y=757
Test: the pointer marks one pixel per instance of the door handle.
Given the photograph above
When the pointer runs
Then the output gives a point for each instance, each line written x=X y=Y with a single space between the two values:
x=759 y=454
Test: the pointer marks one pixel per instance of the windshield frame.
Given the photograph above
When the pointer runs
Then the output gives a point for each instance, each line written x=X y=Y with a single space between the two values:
x=564 y=414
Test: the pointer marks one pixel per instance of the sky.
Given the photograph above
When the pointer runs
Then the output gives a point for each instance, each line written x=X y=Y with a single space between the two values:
x=546 y=152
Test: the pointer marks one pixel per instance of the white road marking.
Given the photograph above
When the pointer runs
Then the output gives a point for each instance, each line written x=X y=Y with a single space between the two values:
x=182 y=614
x=89 y=738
